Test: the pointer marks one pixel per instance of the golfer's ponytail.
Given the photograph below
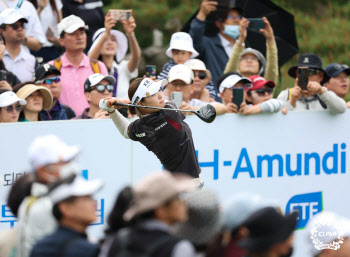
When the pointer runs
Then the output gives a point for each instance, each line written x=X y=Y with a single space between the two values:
x=132 y=89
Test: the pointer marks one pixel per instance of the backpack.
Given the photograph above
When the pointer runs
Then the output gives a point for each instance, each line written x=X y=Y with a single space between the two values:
x=94 y=65
x=121 y=245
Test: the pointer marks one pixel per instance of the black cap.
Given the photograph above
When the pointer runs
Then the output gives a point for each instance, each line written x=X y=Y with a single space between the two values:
x=306 y=60
x=334 y=69
x=45 y=69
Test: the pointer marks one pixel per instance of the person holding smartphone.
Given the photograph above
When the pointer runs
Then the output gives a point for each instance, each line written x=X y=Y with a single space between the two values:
x=308 y=92
x=249 y=61
x=110 y=46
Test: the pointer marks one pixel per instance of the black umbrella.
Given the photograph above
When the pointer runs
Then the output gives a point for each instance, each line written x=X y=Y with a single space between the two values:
x=281 y=21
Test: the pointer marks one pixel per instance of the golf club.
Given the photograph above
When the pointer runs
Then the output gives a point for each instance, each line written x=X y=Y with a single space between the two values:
x=206 y=113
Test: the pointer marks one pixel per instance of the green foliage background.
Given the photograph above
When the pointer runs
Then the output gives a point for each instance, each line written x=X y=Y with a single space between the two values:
x=322 y=26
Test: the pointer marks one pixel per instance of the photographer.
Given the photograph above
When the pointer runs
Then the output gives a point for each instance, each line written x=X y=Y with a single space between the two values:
x=315 y=97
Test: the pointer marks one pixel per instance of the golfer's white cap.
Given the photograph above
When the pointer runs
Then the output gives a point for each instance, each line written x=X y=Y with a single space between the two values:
x=79 y=187
x=180 y=72
x=50 y=149
x=146 y=88
x=70 y=24
x=232 y=80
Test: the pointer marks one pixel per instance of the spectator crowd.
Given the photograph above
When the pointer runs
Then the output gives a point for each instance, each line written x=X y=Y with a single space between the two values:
x=60 y=46
x=60 y=59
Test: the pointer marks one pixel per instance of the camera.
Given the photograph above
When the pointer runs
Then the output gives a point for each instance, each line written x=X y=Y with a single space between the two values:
x=3 y=75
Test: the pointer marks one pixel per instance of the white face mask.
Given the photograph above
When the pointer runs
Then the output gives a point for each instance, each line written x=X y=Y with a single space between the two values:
x=69 y=169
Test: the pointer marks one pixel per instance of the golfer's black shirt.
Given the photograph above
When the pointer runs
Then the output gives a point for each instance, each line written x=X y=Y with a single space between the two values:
x=169 y=138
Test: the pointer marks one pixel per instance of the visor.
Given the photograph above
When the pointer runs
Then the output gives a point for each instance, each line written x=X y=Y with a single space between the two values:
x=146 y=88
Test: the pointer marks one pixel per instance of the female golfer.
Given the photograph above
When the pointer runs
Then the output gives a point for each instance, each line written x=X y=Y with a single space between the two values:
x=162 y=132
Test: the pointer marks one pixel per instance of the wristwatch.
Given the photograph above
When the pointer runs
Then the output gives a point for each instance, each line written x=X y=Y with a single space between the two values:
x=24 y=40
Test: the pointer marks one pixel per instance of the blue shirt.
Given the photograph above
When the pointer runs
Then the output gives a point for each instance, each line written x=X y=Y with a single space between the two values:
x=65 y=242
x=58 y=112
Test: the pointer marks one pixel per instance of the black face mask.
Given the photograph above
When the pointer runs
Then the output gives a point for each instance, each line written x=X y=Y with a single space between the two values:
x=289 y=254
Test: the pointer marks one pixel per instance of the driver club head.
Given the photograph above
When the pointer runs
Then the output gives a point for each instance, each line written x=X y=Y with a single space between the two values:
x=206 y=113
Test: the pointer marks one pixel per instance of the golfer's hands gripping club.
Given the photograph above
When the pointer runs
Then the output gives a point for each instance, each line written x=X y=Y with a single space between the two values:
x=107 y=103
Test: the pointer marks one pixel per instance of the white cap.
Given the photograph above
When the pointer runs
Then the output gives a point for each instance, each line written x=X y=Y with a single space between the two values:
x=79 y=187
x=325 y=228
x=196 y=64
x=180 y=72
x=121 y=40
x=181 y=41
x=50 y=149
x=11 y=16
x=232 y=80
x=146 y=88
x=96 y=78
x=70 y=24
x=7 y=98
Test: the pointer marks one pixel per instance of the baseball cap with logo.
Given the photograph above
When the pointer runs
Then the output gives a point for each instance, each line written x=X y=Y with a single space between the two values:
x=11 y=16
x=147 y=87
x=180 y=72
x=96 y=78
x=334 y=69
x=156 y=189
x=49 y=149
x=181 y=41
x=306 y=60
x=259 y=82
x=70 y=24
x=45 y=69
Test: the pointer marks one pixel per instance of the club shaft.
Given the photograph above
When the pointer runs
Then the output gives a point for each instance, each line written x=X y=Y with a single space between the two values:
x=151 y=107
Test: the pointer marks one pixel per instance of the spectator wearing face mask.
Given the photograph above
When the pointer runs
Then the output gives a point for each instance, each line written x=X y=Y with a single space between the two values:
x=259 y=97
x=50 y=159
x=250 y=62
x=215 y=51
x=338 y=80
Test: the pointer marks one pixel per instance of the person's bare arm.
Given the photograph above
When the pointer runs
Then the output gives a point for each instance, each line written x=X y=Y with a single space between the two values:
x=32 y=43
x=129 y=28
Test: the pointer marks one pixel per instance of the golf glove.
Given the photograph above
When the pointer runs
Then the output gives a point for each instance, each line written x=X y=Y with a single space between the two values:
x=103 y=106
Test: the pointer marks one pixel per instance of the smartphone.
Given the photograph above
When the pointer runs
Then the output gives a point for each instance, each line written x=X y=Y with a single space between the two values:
x=238 y=94
x=151 y=71
x=50 y=32
x=3 y=75
x=176 y=98
x=256 y=23
x=303 y=77
x=120 y=15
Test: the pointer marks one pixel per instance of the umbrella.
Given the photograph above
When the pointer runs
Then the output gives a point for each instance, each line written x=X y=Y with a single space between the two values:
x=281 y=21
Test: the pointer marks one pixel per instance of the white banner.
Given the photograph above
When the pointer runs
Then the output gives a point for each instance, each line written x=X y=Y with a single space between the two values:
x=299 y=159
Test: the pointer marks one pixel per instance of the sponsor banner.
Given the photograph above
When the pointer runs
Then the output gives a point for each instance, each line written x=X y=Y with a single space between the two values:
x=299 y=159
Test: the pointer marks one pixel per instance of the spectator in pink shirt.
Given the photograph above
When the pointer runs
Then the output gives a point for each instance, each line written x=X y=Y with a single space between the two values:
x=74 y=65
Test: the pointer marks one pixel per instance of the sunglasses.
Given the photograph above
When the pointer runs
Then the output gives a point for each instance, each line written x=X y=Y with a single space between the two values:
x=49 y=80
x=262 y=91
x=312 y=71
x=10 y=108
x=201 y=74
x=101 y=88
x=16 y=26
x=234 y=18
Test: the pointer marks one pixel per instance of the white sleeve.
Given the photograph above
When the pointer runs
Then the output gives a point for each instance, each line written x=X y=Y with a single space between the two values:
x=334 y=103
x=34 y=27
x=121 y=123
x=272 y=105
